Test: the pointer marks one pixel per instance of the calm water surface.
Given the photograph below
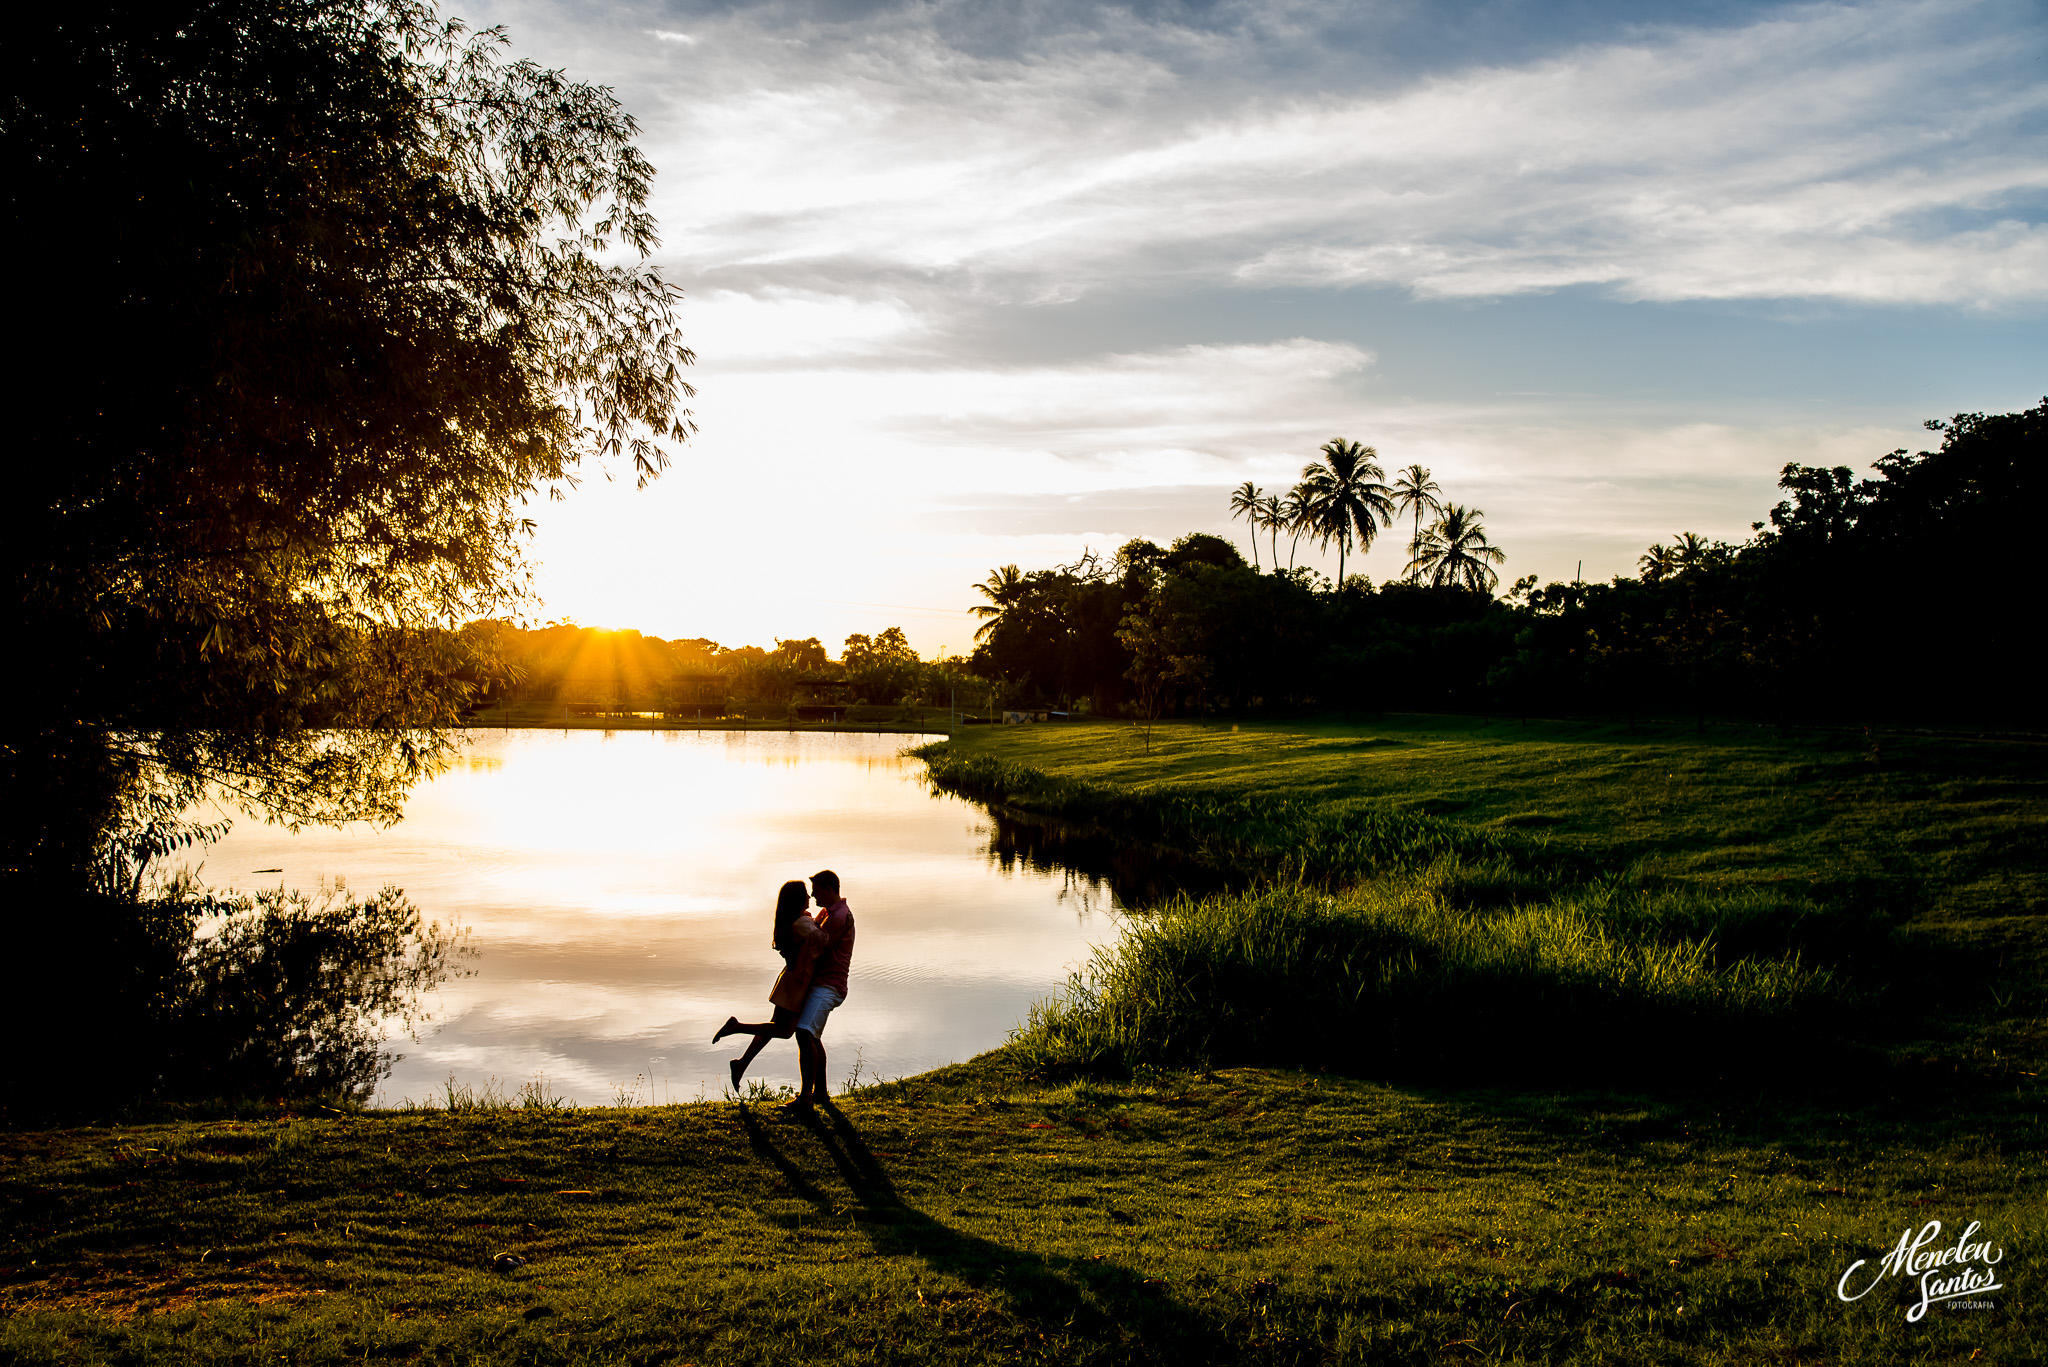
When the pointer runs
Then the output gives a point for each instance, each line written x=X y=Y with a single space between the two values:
x=618 y=890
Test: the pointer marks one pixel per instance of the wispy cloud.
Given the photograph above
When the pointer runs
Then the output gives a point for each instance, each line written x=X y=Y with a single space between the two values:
x=1871 y=153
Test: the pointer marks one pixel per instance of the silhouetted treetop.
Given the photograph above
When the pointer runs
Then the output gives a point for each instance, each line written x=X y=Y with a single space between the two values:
x=350 y=287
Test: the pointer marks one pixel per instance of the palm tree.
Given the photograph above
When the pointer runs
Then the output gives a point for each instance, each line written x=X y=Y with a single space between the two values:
x=1273 y=517
x=1346 y=497
x=1293 y=514
x=1001 y=588
x=1689 y=550
x=1455 y=551
x=1692 y=550
x=1415 y=491
x=1247 y=502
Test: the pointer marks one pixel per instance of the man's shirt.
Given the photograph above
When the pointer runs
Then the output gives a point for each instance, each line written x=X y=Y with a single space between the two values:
x=837 y=956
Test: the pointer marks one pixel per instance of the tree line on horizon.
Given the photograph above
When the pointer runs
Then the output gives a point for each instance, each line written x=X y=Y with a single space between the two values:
x=1904 y=596
x=628 y=671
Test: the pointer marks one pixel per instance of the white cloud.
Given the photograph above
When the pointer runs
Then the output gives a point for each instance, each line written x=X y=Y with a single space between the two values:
x=1823 y=153
x=772 y=327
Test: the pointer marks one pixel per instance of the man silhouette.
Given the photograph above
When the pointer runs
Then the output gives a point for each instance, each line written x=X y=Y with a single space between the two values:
x=828 y=986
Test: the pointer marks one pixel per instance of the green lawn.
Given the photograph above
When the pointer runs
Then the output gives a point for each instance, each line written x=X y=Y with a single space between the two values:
x=1246 y=1216
x=1955 y=831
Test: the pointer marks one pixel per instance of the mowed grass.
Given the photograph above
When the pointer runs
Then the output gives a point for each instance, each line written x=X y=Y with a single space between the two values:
x=1946 y=831
x=971 y=1215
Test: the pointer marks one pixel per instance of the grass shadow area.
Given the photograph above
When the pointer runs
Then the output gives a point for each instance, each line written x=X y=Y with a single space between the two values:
x=978 y=1215
x=1067 y=1303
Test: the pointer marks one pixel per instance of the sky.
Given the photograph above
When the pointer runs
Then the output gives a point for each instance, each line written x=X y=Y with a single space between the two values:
x=974 y=284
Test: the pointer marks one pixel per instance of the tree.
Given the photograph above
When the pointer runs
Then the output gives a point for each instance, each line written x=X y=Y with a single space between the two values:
x=1657 y=563
x=1273 y=518
x=1002 y=588
x=1294 y=516
x=1456 y=553
x=802 y=656
x=1200 y=548
x=359 y=287
x=1345 y=497
x=1055 y=639
x=1234 y=635
x=1414 y=491
x=1247 y=502
x=881 y=668
x=1689 y=551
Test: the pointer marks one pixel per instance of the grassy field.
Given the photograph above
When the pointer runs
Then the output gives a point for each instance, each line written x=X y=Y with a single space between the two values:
x=1606 y=897
x=970 y=1216
x=1952 y=832
x=1021 y=1208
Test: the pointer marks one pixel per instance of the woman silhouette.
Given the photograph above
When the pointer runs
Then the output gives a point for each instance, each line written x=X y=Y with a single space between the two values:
x=795 y=937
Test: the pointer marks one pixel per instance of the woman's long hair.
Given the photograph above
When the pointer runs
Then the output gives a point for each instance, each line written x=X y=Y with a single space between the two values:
x=789 y=904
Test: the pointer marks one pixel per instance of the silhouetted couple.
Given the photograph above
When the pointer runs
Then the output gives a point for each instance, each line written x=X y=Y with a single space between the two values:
x=816 y=952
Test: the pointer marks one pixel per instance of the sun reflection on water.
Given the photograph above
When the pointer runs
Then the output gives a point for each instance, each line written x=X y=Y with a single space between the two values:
x=619 y=886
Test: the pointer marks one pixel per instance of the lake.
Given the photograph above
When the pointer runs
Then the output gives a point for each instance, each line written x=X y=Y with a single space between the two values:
x=618 y=889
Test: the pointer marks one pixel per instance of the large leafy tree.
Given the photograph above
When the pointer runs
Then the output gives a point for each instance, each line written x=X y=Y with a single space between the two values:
x=882 y=668
x=1054 y=639
x=315 y=295
x=1344 y=497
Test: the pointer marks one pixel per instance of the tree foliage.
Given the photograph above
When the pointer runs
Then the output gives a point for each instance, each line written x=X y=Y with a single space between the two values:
x=353 y=287
x=1343 y=498
x=1455 y=551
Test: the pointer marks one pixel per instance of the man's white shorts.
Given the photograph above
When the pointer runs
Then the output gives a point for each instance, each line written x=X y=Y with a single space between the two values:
x=817 y=1007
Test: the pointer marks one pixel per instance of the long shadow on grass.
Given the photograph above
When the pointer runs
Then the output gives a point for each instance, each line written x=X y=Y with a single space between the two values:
x=1092 y=1301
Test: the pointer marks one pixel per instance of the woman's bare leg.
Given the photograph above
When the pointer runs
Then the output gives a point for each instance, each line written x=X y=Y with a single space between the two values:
x=762 y=1034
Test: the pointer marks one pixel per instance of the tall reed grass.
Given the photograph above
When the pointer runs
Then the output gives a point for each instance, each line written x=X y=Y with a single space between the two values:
x=1391 y=979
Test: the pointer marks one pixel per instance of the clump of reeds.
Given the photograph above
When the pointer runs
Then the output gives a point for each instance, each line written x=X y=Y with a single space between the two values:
x=491 y=1095
x=1391 y=978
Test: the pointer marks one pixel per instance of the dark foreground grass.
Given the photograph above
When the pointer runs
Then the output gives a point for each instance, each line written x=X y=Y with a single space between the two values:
x=972 y=1216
